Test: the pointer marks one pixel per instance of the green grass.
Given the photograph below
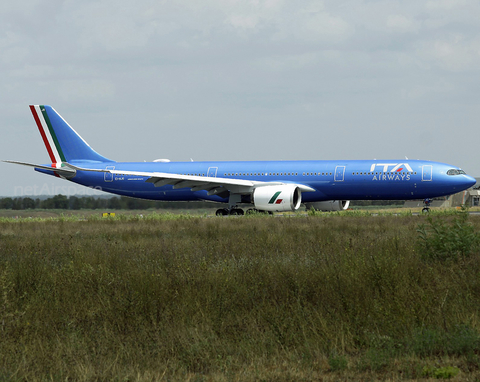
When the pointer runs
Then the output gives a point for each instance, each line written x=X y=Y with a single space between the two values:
x=179 y=297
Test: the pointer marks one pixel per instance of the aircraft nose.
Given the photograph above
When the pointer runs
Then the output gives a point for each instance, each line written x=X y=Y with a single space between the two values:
x=469 y=181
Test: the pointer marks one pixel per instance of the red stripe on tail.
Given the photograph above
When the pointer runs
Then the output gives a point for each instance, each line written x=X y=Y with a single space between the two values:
x=54 y=165
x=42 y=133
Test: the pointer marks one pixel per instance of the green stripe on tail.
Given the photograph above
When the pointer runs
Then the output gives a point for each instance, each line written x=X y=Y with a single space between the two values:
x=52 y=133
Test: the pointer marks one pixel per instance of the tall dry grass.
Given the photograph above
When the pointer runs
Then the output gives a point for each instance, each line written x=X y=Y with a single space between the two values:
x=189 y=298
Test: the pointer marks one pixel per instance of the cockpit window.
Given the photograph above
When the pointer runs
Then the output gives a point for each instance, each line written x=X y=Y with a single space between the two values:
x=455 y=172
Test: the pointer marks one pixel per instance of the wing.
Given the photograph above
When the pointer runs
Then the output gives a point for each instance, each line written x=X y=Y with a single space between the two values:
x=213 y=185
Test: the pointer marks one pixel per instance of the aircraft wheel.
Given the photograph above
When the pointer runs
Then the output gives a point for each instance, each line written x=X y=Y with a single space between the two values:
x=236 y=211
x=221 y=212
x=251 y=211
x=426 y=210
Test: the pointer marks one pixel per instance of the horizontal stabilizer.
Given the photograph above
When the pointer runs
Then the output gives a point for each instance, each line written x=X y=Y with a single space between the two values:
x=65 y=171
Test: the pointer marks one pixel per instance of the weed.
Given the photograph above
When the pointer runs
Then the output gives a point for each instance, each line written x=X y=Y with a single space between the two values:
x=444 y=240
x=446 y=372
x=375 y=360
x=337 y=362
x=462 y=340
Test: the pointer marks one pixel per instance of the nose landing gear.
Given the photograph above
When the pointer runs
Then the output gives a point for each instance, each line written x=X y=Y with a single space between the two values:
x=426 y=205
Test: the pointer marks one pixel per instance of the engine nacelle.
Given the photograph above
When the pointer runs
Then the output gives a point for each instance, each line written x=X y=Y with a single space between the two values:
x=277 y=198
x=329 y=205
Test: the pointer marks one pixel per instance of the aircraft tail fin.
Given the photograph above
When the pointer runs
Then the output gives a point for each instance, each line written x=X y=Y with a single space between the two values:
x=62 y=142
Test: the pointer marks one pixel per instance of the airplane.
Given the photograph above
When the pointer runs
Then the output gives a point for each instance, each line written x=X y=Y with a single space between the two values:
x=266 y=186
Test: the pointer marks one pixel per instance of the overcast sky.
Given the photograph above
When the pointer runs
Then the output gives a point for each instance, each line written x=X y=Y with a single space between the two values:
x=242 y=80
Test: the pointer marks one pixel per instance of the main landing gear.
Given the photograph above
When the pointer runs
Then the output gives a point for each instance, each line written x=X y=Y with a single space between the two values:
x=426 y=205
x=226 y=211
x=239 y=211
x=233 y=201
x=232 y=209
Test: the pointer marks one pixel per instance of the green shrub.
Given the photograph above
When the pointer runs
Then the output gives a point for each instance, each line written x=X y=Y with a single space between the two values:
x=462 y=340
x=337 y=362
x=375 y=359
x=445 y=240
x=440 y=372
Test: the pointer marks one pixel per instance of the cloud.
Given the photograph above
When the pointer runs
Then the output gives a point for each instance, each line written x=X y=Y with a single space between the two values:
x=319 y=27
x=446 y=4
x=454 y=53
x=401 y=23
x=182 y=70
x=92 y=90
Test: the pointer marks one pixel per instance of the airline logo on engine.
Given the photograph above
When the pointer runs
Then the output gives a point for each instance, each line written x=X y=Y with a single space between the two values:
x=274 y=200
x=391 y=171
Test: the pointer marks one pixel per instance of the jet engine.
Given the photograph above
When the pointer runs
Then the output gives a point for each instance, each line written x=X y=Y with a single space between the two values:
x=329 y=205
x=277 y=198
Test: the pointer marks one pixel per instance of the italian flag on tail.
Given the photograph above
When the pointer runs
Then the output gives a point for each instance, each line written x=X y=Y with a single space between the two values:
x=48 y=135
x=62 y=142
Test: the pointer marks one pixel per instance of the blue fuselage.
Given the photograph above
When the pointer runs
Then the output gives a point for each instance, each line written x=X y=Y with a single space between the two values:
x=331 y=180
